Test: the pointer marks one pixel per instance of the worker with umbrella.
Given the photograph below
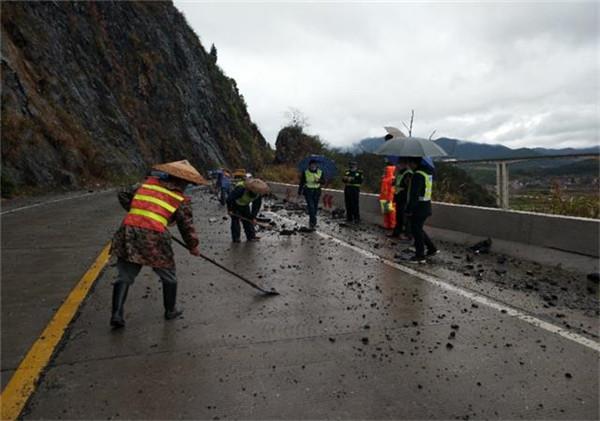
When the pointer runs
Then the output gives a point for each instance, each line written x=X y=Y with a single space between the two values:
x=401 y=190
x=418 y=207
x=315 y=171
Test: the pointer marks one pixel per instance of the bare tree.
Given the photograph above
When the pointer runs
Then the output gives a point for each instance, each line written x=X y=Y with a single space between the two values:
x=296 y=118
x=412 y=116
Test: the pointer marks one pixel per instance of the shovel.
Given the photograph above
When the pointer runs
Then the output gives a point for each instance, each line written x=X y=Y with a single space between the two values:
x=249 y=282
x=260 y=224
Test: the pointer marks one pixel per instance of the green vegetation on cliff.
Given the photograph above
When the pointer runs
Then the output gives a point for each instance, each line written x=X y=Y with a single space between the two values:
x=94 y=92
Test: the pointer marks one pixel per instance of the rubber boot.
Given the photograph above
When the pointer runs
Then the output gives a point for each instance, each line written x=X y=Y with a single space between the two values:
x=119 y=296
x=169 y=297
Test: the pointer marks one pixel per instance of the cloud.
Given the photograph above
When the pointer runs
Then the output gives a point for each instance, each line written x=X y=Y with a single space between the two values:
x=523 y=74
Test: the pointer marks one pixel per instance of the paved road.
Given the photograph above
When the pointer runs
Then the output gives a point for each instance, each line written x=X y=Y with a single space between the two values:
x=45 y=251
x=350 y=337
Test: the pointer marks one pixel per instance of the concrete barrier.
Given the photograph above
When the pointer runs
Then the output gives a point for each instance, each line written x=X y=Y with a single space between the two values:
x=565 y=233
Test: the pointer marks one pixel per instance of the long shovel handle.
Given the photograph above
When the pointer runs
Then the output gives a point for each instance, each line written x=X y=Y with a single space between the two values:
x=251 y=221
x=249 y=282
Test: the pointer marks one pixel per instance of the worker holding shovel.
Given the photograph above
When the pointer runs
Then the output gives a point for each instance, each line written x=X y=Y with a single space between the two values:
x=143 y=238
x=244 y=203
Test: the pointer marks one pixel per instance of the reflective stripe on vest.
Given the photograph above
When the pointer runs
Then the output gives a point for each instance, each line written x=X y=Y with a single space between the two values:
x=163 y=190
x=155 y=200
x=428 y=186
x=152 y=206
x=149 y=214
x=348 y=175
x=399 y=178
x=313 y=178
x=247 y=198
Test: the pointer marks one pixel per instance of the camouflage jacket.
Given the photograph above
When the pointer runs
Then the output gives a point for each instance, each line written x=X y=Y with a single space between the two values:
x=153 y=248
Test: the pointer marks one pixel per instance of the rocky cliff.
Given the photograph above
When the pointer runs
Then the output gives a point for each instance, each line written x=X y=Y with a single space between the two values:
x=96 y=91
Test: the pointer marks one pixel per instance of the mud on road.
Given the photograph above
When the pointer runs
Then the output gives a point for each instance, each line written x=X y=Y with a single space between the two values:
x=349 y=337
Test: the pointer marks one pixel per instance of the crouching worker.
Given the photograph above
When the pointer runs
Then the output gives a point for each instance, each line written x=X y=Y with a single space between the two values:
x=244 y=203
x=143 y=238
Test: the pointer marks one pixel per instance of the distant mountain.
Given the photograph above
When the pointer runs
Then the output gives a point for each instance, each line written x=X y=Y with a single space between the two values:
x=462 y=149
x=368 y=144
x=567 y=151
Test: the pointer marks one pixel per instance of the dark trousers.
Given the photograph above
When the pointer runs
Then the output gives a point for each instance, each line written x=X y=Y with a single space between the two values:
x=128 y=271
x=224 y=194
x=243 y=211
x=352 y=200
x=402 y=222
x=421 y=238
x=312 y=204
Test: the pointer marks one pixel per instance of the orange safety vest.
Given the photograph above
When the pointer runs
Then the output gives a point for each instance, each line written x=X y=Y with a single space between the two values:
x=387 y=184
x=152 y=206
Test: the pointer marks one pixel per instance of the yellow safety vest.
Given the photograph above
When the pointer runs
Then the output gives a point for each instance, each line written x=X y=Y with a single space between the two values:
x=247 y=198
x=399 y=178
x=428 y=186
x=313 y=179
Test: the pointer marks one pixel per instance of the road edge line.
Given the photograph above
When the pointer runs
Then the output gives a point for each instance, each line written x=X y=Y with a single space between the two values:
x=472 y=295
x=24 y=380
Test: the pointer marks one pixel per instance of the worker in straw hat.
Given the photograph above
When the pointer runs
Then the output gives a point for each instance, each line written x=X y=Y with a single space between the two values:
x=243 y=204
x=239 y=177
x=143 y=238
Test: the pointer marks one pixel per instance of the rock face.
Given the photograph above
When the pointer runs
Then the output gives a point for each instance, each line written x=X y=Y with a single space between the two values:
x=96 y=91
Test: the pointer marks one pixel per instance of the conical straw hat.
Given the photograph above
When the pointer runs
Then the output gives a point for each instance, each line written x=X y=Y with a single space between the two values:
x=239 y=173
x=256 y=185
x=181 y=169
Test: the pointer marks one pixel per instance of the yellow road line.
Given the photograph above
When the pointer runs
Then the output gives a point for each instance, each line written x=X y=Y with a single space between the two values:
x=23 y=382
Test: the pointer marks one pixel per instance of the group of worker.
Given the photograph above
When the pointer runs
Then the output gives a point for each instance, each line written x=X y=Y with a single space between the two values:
x=405 y=199
x=143 y=239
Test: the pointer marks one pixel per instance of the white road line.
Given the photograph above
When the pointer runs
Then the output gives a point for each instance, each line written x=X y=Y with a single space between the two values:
x=35 y=205
x=483 y=300
x=62 y=199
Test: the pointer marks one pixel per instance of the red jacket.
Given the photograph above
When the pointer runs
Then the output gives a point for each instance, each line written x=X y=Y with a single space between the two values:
x=387 y=184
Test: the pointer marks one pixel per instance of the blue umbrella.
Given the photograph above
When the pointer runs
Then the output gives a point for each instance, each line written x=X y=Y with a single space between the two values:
x=325 y=164
x=426 y=160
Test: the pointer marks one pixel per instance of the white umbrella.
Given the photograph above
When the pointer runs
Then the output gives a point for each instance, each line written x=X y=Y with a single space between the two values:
x=410 y=147
x=394 y=131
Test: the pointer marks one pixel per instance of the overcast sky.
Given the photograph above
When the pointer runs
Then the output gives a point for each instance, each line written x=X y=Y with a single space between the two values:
x=519 y=74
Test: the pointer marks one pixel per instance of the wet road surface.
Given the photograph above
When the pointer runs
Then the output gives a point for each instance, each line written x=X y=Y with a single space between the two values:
x=349 y=337
x=45 y=251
